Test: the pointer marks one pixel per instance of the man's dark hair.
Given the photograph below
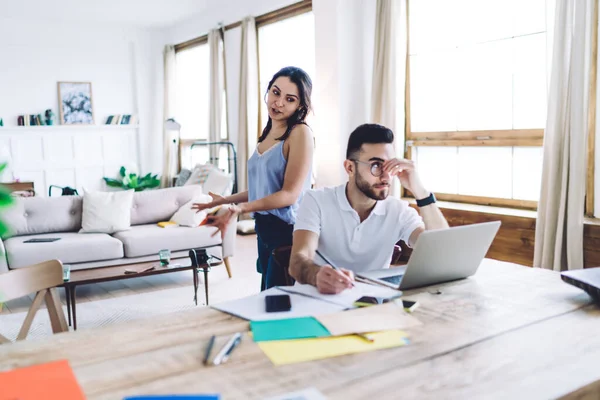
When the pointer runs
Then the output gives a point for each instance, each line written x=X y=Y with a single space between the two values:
x=367 y=133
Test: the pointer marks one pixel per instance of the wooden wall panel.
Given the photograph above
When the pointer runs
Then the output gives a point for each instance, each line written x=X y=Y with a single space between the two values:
x=515 y=239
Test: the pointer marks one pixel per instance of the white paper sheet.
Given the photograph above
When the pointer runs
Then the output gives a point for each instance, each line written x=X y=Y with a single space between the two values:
x=348 y=296
x=252 y=308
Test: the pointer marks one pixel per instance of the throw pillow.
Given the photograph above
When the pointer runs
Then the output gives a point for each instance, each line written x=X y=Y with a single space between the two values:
x=199 y=174
x=183 y=177
x=186 y=216
x=106 y=212
x=218 y=182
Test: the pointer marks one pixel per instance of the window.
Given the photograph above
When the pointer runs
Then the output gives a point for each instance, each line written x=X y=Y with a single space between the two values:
x=477 y=98
x=192 y=91
x=288 y=42
x=191 y=100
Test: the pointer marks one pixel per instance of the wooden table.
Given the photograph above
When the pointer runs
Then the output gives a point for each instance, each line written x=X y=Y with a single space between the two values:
x=117 y=272
x=507 y=332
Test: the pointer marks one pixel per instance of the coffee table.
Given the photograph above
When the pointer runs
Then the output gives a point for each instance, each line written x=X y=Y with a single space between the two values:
x=117 y=272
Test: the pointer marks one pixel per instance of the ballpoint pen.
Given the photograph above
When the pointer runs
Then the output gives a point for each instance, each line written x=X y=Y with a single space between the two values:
x=330 y=263
x=211 y=343
x=227 y=349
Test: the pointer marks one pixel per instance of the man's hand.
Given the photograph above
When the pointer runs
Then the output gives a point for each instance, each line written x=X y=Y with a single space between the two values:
x=407 y=174
x=331 y=281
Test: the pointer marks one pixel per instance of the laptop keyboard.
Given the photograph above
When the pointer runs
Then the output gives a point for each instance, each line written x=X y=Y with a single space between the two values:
x=395 y=279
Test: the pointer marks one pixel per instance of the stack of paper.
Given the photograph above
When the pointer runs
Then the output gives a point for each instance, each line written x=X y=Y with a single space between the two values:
x=253 y=307
x=287 y=341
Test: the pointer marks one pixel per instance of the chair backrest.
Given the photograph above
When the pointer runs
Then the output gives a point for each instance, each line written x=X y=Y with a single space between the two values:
x=41 y=279
x=281 y=255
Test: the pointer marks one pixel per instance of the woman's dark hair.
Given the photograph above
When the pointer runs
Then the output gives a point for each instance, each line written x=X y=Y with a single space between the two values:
x=367 y=133
x=304 y=84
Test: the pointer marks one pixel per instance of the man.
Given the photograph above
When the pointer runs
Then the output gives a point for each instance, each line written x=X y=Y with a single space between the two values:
x=355 y=226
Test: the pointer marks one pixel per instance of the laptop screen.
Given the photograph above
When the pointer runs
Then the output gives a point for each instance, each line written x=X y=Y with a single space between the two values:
x=394 y=279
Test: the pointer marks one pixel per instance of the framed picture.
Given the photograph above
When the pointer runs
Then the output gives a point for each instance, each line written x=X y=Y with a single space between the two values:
x=75 y=103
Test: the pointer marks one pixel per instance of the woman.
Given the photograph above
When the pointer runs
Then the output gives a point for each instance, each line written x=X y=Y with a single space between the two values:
x=278 y=171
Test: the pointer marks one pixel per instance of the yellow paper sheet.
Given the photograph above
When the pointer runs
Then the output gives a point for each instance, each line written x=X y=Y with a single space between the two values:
x=293 y=351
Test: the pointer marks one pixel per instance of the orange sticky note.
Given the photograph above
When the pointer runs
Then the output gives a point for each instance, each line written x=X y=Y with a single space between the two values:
x=50 y=381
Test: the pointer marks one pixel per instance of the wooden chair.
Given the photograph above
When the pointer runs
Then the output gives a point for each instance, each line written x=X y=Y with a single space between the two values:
x=281 y=255
x=42 y=279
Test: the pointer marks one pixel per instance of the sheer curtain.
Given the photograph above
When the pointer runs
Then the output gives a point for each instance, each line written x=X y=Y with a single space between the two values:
x=248 y=102
x=217 y=91
x=169 y=148
x=389 y=71
x=559 y=228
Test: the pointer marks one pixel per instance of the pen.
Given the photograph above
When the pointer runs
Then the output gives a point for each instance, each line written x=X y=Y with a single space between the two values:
x=211 y=343
x=329 y=262
x=227 y=349
x=365 y=337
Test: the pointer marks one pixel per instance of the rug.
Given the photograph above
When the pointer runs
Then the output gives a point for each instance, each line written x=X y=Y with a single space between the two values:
x=95 y=314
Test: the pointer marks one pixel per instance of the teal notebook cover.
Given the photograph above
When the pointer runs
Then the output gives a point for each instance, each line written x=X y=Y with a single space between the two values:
x=287 y=329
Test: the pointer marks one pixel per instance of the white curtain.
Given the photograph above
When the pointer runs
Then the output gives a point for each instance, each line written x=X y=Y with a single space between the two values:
x=389 y=71
x=169 y=147
x=248 y=100
x=559 y=227
x=217 y=103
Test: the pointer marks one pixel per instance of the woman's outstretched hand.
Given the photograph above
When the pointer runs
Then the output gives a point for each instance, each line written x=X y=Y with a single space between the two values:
x=216 y=200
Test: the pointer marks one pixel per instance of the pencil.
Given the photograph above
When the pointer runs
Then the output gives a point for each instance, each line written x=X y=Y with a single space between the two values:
x=365 y=337
x=330 y=263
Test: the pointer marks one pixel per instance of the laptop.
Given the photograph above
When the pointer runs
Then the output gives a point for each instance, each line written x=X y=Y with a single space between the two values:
x=440 y=255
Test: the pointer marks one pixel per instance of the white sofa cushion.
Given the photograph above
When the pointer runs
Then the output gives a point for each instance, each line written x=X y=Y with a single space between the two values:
x=152 y=206
x=143 y=240
x=218 y=182
x=31 y=215
x=186 y=216
x=71 y=248
x=106 y=212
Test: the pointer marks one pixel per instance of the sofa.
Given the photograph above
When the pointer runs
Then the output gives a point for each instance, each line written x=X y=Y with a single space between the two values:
x=61 y=217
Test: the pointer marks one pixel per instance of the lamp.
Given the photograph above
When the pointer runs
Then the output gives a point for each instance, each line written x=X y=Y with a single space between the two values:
x=174 y=129
x=172 y=125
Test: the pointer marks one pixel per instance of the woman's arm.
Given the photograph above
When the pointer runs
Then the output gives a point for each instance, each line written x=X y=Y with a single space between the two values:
x=241 y=197
x=298 y=166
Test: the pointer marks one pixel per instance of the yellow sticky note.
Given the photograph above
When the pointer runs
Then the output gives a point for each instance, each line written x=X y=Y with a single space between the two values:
x=293 y=351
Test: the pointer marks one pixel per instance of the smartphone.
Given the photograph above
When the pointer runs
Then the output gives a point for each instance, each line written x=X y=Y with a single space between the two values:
x=277 y=303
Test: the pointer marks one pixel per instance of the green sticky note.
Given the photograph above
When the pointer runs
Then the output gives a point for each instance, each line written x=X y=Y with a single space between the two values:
x=287 y=329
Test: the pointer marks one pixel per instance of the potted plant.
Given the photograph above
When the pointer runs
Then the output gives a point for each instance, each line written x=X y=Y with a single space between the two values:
x=131 y=180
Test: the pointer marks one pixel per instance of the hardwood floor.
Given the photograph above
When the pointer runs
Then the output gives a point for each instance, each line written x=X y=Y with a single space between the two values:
x=242 y=264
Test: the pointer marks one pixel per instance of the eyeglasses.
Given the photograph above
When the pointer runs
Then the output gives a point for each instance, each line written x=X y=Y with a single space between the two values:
x=376 y=167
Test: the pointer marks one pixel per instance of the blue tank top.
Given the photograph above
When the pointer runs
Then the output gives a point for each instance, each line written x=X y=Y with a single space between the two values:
x=265 y=177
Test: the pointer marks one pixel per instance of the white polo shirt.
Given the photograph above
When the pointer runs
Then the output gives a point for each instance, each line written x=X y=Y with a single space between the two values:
x=347 y=242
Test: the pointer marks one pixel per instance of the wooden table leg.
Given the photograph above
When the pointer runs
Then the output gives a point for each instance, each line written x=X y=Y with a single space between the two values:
x=68 y=296
x=205 y=269
x=74 y=306
x=195 y=272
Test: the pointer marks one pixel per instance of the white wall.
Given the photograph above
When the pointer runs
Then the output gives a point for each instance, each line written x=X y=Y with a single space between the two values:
x=122 y=65
x=342 y=95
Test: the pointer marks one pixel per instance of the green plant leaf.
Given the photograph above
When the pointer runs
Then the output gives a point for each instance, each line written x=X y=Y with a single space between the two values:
x=122 y=172
x=5 y=198
x=3 y=167
x=113 y=182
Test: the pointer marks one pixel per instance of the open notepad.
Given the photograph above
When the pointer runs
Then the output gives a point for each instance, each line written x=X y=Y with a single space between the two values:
x=253 y=307
x=306 y=301
x=348 y=296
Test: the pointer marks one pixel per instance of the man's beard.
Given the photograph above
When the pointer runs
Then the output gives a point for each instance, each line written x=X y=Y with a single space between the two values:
x=368 y=190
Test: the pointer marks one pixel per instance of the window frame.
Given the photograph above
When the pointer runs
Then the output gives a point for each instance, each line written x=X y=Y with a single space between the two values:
x=478 y=138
